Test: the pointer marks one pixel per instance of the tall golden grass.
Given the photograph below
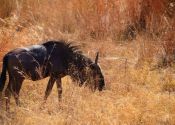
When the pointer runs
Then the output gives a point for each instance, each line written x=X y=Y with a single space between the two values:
x=95 y=19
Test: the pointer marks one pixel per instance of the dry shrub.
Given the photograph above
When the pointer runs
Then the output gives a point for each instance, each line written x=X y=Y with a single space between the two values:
x=156 y=17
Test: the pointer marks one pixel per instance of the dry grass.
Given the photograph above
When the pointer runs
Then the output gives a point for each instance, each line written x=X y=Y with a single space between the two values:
x=133 y=96
x=135 y=93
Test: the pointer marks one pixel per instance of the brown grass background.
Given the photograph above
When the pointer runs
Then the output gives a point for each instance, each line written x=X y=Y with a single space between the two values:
x=139 y=70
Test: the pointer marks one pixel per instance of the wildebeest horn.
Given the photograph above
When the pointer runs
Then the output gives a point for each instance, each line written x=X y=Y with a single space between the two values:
x=96 y=59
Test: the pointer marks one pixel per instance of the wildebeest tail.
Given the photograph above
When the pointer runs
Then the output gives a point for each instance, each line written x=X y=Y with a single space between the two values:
x=3 y=74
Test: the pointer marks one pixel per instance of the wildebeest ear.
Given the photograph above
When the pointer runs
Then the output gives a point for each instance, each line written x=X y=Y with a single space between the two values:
x=96 y=59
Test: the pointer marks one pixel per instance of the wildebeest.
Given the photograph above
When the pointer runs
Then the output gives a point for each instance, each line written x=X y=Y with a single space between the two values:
x=54 y=59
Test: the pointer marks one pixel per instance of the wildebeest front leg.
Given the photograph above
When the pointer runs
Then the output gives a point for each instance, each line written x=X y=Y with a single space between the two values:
x=59 y=87
x=49 y=87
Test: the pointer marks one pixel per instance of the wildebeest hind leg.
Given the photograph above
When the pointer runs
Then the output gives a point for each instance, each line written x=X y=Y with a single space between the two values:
x=8 y=95
x=16 y=89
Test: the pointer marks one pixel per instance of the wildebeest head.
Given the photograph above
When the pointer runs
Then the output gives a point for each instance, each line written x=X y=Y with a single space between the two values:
x=96 y=75
x=87 y=72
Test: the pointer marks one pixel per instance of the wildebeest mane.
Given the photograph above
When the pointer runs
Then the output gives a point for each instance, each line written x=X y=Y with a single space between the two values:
x=67 y=46
x=72 y=53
